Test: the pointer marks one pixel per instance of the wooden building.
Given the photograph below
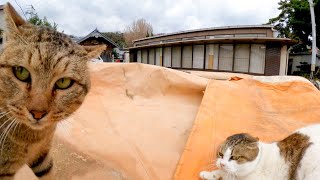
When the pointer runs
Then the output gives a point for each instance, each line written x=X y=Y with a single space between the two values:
x=243 y=49
x=97 y=38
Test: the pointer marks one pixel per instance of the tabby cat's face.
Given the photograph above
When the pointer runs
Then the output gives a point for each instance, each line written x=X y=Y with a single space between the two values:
x=238 y=154
x=43 y=74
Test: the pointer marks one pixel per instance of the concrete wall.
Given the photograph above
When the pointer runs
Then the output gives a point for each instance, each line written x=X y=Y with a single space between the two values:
x=2 y=25
x=126 y=57
x=297 y=58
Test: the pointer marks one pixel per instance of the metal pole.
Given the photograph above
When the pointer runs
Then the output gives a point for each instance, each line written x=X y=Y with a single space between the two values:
x=314 y=46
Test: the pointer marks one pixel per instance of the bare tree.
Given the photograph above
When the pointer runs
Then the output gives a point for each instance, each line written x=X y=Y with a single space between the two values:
x=137 y=29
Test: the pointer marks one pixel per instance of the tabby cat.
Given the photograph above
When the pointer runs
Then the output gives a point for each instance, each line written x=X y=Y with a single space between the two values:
x=43 y=79
x=243 y=157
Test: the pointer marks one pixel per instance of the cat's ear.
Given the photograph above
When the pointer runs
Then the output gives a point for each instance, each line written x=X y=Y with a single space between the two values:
x=94 y=51
x=13 y=21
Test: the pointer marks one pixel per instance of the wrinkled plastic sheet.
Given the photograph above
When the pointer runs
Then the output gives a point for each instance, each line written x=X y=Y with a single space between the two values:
x=269 y=108
x=133 y=124
x=148 y=122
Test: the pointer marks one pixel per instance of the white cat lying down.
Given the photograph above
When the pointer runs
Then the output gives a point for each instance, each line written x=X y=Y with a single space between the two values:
x=243 y=157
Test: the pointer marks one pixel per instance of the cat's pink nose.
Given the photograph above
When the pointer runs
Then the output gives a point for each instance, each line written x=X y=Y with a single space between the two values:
x=37 y=115
x=222 y=165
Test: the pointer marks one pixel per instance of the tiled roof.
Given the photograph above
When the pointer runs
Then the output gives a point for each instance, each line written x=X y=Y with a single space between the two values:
x=96 y=33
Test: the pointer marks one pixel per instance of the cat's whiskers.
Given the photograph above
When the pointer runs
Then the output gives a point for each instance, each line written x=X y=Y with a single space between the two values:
x=57 y=53
x=6 y=128
x=16 y=125
x=5 y=132
x=4 y=123
x=3 y=114
x=13 y=126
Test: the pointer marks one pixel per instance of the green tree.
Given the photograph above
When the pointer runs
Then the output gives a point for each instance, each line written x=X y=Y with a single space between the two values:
x=116 y=37
x=33 y=18
x=115 y=54
x=304 y=70
x=294 y=21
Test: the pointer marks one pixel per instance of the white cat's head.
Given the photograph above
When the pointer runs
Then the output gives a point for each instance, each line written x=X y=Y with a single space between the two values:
x=238 y=155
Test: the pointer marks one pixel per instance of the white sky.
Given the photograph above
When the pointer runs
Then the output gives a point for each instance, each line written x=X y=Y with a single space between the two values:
x=80 y=17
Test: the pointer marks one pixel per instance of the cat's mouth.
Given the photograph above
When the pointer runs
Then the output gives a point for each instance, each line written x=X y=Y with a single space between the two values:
x=38 y=125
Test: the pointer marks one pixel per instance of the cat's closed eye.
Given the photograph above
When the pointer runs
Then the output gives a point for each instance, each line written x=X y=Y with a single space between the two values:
x=220 y=154
x=235 y=157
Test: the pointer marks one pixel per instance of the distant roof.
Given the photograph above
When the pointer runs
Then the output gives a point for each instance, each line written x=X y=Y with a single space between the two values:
x=208 y=29
x=284 y=41
x=1 y=7
x=96 y=33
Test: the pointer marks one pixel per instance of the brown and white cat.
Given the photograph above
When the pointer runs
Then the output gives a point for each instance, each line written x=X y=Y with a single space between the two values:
x=243 y=157
x=43 y=79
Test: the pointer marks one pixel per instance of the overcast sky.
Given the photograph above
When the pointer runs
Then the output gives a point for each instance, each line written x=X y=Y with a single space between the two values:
x=80 y=17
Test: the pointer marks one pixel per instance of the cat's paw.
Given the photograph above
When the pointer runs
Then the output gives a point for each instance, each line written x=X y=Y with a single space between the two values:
x=206 y=175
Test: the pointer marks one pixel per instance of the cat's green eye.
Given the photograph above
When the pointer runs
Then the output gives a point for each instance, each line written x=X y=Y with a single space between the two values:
x=21 y=73
x=64 y=83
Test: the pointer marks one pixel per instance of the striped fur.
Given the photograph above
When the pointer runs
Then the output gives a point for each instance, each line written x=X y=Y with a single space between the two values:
x=42 y=165
x=48 y=56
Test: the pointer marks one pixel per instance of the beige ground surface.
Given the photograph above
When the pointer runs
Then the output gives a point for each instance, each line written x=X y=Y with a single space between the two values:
x=133 y=125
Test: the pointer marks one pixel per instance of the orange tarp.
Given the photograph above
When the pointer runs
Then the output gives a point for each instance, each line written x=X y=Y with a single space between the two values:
x=136 y=121
x=265 y=110
x=133 y=124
